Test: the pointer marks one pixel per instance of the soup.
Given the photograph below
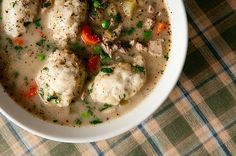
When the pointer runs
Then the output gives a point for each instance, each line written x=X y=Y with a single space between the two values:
x=80 y=63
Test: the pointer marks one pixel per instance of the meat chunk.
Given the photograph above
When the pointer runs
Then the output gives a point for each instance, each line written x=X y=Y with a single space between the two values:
x=61 y=79
x=155 y=47
x=123 y=83
x=15 y=13
x=109 y=36
x=64 y=20
x=151 y=9
x=149 y=23
x=140 y=47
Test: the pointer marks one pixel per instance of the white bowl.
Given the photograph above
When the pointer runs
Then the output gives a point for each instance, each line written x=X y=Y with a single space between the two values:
x=122 y=124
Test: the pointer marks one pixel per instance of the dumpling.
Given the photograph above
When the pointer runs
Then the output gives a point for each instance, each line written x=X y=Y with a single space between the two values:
x=118 y=82
x=64 y=20
x=61 y=79
x=16 y=13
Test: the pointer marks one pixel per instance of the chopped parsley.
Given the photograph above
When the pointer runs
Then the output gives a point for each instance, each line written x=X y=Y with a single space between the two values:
x=97 y=49
x=41 y=42
x=118 y=18
x=104 y=57
x=77 y=47
x=46 y=4
x=90 y=89
x=105 y=106
x=37 y=23
x=107 y=70
x=96 y=121
x=129 y=31
x=18 y=48
x=138 y=69
x=51 y=97
x=139 y=24
x=147 y=34
x=78 y=122
x=41 y=92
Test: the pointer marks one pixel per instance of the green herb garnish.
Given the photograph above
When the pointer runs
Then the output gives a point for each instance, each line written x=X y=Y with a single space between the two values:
x=37 y=23
x=129 y=31
x=18 y=48
x=41 y=92
x=77 y=47
x=104 y=57
x=107 y=70
x=138 y=69
x=105 y=106
x=139 y=24
x=78 y=122
x=51 y=97
x=96 y=121
x=118 y=18
x=90 y=89
x=97 y=49
x=96 y=4
x=46 y=4
x=41 y=42
x=147 y=34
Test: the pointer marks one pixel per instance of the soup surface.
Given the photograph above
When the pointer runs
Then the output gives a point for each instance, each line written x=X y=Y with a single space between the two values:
x=77 y=62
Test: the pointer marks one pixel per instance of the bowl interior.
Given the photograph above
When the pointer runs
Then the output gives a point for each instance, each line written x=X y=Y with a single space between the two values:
x=115 y=127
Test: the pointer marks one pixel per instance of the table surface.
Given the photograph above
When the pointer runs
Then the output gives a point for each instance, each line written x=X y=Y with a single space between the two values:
x=199 y=116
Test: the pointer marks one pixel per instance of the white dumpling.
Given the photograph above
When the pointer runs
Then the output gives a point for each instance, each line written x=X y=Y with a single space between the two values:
x=121 y=84
x=15 y=13
x=64 y=19
x=61 y=79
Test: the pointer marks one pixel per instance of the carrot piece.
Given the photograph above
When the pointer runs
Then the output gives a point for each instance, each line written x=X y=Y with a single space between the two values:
x=31 y=92
x=19 y=41
x=88 y=37
x=93 y=63
x=161 y=26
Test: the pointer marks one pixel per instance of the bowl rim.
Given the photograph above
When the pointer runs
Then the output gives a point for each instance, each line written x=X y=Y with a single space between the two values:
x=39 y=131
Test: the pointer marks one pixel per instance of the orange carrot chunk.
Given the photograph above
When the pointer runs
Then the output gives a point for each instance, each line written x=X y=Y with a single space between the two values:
x=160 y=27
x=19 y=41
x=31 y=92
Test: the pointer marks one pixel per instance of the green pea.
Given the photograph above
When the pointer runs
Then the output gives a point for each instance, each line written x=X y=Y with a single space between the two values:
x=41 y=57
x=105 y=24
x=147 y=34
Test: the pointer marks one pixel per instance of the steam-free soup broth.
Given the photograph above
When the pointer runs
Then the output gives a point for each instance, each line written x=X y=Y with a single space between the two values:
x=78 y=62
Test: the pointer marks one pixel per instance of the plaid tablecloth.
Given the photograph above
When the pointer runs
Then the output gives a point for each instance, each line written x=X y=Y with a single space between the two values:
x=198 y=118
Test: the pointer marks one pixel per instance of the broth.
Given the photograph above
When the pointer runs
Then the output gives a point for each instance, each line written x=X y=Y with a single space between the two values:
x=20 y=64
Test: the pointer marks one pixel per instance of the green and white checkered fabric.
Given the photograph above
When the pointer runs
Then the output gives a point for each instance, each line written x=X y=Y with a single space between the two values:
x=198 y=118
